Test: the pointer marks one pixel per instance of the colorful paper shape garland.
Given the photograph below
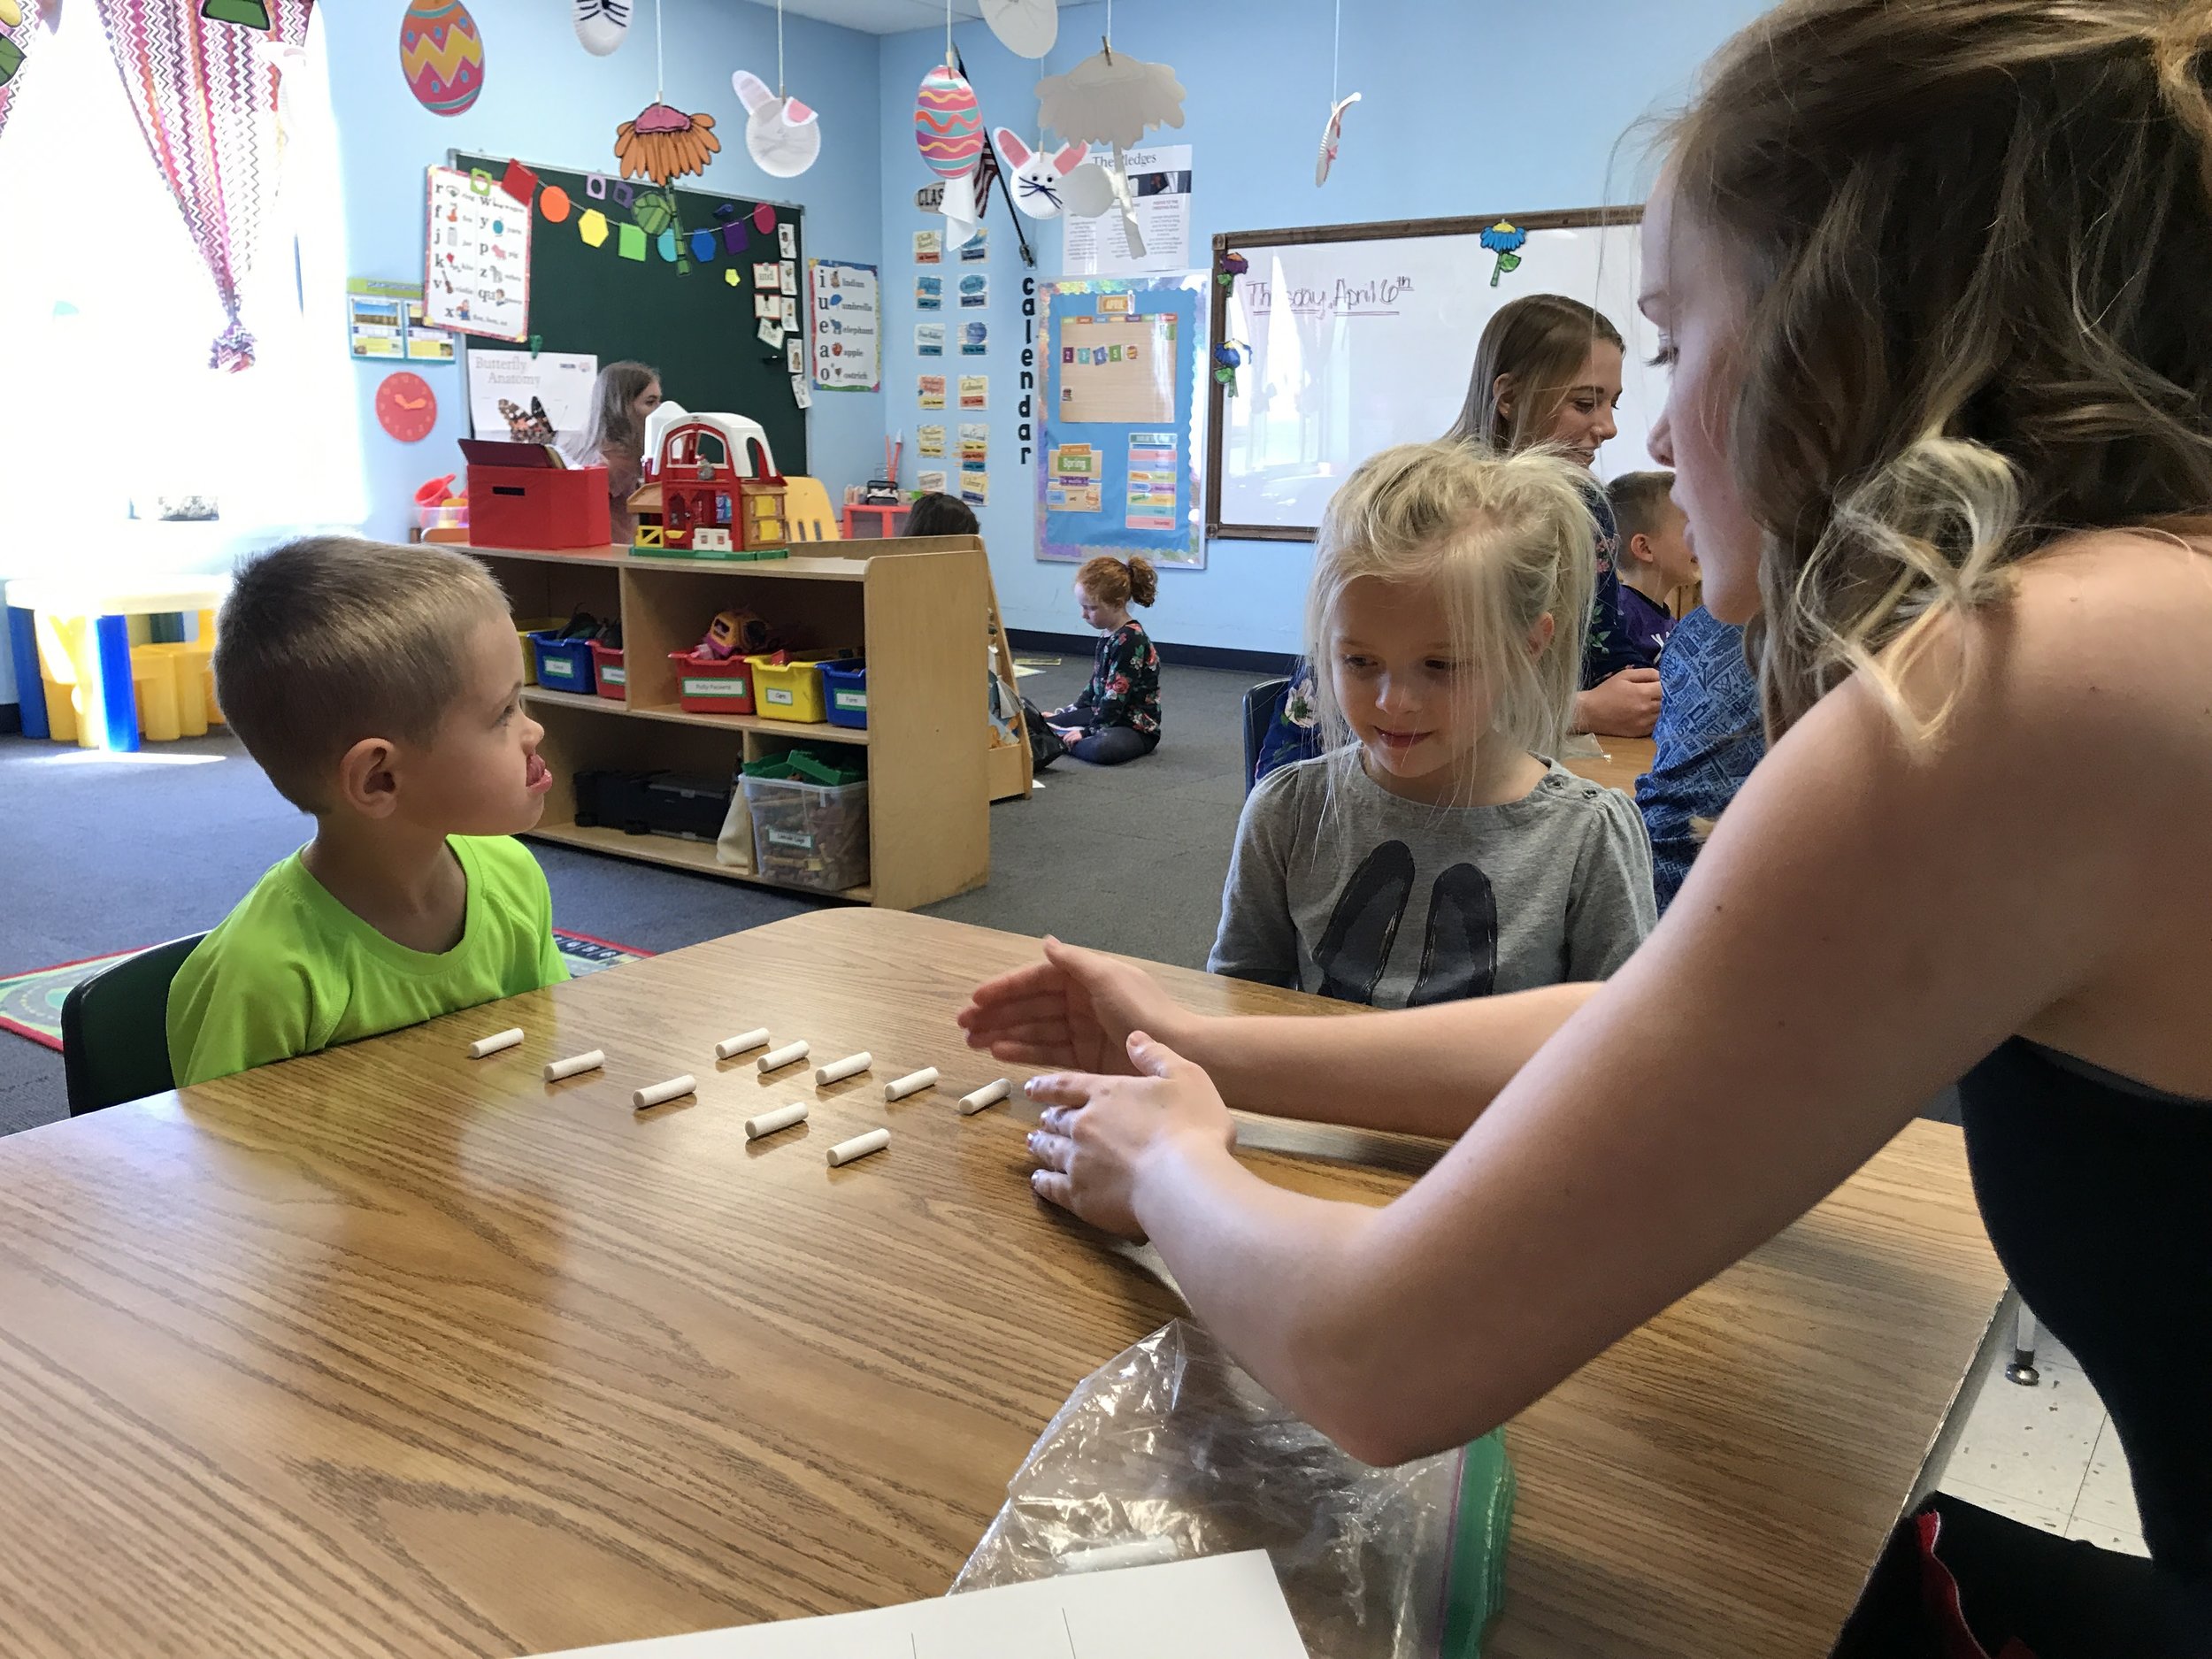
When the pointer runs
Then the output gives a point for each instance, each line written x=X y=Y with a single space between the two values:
x=441 y=55
x=602 y=24
x=664 y=144
x=782 y=135
x=1038 y=174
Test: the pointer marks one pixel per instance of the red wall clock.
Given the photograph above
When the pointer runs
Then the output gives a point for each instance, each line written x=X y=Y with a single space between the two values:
x=406 y=407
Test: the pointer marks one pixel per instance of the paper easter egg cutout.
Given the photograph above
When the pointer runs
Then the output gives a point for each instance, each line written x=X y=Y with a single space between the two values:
x=782 y=135
x=1024 y=27
x=441 y=55
x=602 y=24
x=1038 y=181
x=947 y=123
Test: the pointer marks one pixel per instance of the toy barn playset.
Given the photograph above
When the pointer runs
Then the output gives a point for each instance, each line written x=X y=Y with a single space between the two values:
x=711 y=491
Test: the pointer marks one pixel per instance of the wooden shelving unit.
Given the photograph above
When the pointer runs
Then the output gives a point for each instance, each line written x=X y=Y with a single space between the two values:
x=918 y=610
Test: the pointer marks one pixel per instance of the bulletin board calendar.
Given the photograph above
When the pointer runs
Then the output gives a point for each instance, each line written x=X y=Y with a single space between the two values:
x=477 y=274
x=1118 y=442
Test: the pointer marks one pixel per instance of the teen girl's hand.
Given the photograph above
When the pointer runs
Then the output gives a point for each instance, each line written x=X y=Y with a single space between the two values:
x=1077 y=1008
x=1099 y=1135
x=1625 y=704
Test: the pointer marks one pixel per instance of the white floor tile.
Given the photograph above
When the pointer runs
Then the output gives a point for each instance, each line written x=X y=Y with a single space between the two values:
x=2125 y=1540
x=2107 y=1499
x=2033 y=1445
x=2011 y=1508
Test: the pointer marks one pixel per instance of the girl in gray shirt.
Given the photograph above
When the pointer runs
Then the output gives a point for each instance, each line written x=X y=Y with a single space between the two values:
x=1431 y=853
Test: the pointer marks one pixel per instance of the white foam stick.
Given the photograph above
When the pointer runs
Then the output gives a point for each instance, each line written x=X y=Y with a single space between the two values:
x=660 y=1094
x=859 y=1147
x=493 y=1043
x=555 y=1069
x=737 y=1045
x=989 y=1094
x=913 y=1081
x=782 y=1117
x=776 y=1058
x=839 y=1070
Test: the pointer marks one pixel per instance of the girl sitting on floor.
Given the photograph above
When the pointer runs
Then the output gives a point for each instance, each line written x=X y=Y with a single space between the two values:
x=1118 y=717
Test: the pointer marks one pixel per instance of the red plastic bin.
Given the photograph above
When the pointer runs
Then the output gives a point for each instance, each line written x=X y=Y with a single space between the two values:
x=607 y=662
x=704 y=686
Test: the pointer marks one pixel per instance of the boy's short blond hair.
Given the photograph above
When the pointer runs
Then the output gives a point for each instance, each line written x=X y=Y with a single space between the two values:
x=328 y=640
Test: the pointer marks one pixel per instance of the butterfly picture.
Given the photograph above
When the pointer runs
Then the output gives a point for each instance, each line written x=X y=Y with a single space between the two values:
x=533 y=426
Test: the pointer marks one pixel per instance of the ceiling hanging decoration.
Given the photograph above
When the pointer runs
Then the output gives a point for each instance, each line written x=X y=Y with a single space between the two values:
x=782 y=135
x=663 y=142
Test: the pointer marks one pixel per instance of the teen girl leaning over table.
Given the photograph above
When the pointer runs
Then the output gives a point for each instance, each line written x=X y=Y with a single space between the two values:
x=1931 y=278
x=1548 y=372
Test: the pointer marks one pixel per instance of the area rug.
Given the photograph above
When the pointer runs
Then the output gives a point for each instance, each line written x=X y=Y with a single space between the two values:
x=30 y=1003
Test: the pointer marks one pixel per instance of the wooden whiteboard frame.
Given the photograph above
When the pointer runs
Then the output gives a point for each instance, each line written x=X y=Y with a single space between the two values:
x=1381 y=230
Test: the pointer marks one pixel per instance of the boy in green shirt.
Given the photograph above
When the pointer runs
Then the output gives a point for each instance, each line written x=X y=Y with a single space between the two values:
x=380 y=689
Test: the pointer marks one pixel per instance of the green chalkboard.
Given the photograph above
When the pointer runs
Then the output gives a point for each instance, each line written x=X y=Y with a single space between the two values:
x=682 y=317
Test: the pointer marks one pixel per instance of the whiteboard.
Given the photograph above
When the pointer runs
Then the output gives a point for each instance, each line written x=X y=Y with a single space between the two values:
x=1361 y=336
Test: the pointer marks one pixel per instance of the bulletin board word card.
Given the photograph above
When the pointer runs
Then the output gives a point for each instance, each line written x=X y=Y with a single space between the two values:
x=476 y=278
x=1119 y=445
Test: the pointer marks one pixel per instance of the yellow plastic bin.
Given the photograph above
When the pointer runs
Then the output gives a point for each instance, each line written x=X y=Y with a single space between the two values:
x=793 y=690
x=186 y=663
x=523 y=631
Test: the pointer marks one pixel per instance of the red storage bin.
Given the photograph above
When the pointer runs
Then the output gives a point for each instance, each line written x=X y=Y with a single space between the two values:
x=519 y=498
x=607 y=662
x=704 y=686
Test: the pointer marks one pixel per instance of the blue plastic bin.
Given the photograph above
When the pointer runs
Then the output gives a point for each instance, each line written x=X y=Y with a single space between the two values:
x=563 y=664
x=845 y=688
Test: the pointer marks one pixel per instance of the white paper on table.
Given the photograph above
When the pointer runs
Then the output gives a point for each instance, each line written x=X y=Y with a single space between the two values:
x=1095 y=247
x=1185 y=1610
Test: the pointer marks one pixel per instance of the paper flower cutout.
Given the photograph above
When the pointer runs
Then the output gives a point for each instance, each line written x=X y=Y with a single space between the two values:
x=1024 y=27
x=1037 y=174
x=1110 y=99
x=1332 y=135
x=1504 y=239
x=782 y=135
x=602 y=24
x=664 y=144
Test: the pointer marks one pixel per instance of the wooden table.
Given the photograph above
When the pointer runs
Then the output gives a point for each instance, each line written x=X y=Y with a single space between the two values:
x=1626 y=759
x=385 y=1351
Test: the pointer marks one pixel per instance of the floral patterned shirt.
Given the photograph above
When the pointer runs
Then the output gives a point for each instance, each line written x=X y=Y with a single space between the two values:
x=1124 y=689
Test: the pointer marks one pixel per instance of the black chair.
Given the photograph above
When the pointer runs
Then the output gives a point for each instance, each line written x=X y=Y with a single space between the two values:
x=1262 y=703
x=115 y=1029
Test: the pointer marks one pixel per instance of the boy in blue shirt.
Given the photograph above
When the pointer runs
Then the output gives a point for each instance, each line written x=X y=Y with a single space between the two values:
x=380 y=687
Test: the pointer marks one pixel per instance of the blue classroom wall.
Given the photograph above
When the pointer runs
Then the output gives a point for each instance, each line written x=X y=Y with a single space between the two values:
x=1468 y=106
x=547 y=100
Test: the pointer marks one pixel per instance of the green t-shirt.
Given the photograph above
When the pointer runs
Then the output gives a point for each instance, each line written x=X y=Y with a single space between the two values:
x=291 y=970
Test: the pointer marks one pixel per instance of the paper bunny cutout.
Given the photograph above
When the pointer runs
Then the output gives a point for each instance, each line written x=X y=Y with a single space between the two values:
x=782 y=135
x=1036 y=182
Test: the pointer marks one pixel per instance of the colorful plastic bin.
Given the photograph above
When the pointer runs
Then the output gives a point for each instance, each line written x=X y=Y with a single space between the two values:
x=606 y=662
x=793 y=690
x=704 y=686
x=563 y=664
x=523 y=631
x=845 y=688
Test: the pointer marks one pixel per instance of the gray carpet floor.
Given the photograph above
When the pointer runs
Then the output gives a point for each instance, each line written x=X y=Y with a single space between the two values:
x=103 y=853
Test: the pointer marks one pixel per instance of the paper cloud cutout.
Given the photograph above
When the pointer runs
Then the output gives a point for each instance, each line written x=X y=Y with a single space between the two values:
x=782 y=135
x=1110 y=99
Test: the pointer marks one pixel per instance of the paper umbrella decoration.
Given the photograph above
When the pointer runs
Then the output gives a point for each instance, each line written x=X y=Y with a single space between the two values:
x=664 y=144
x=1026 y=28
x=948 y=132
x=1038 y=176
x=601 y=25
x=781 y=134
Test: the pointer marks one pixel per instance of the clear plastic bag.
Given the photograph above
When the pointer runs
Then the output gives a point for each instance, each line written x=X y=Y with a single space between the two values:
x=1172 y=1451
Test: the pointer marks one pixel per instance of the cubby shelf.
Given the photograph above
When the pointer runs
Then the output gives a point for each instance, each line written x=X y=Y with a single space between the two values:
x=919 y=611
